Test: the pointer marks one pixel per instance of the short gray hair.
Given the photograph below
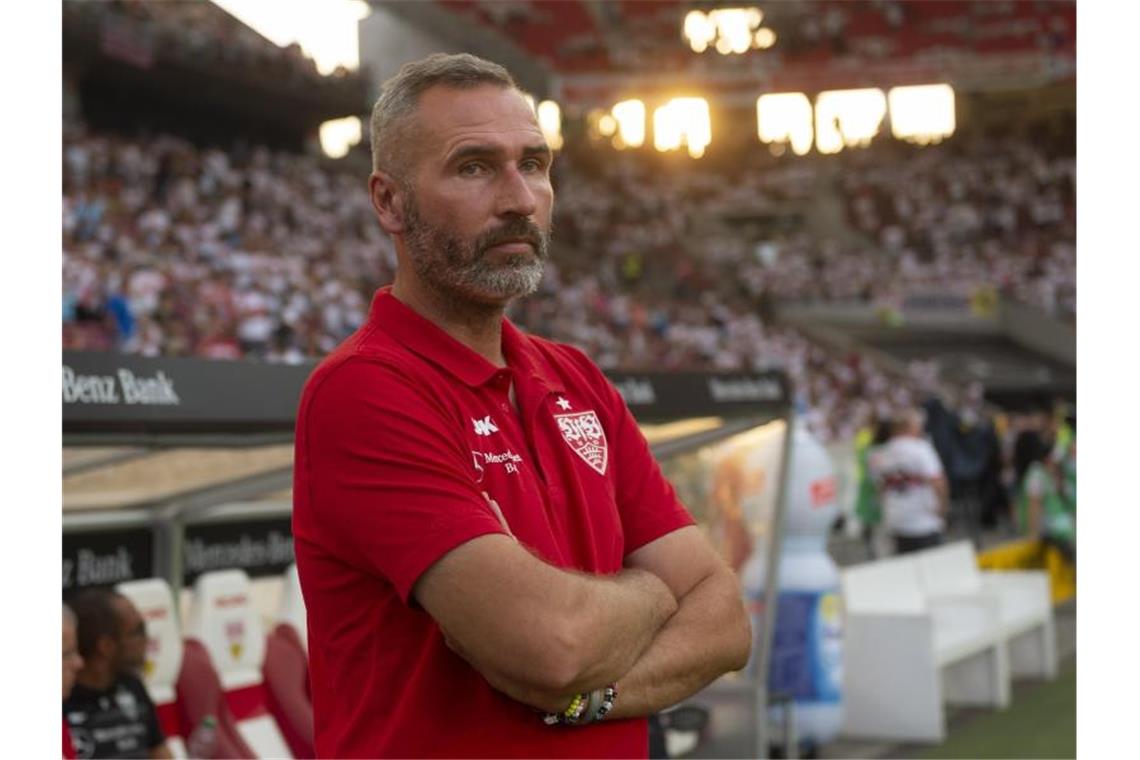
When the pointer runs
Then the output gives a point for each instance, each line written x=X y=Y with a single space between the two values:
x=401 y=94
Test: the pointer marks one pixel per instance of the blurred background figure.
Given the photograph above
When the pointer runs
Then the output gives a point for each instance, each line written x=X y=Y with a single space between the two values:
x=109 y=711
x=1047 y=503
x=72 y=662
x=868 y=508
x=912 y=484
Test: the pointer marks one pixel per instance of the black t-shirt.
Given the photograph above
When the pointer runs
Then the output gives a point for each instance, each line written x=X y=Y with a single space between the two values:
x=118 y=722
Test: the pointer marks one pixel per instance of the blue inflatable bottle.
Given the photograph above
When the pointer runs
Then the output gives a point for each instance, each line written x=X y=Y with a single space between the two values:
x=806 y=661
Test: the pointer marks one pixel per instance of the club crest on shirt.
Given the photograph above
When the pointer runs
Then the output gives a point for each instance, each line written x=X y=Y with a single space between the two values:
x=583 y=432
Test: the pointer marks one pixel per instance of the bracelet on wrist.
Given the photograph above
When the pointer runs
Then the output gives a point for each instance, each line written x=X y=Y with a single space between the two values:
x=572 y=714
x=584 y=708
x=609 y=697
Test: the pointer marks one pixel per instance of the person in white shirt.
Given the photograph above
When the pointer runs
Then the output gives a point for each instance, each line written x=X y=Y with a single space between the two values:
x=912 y=485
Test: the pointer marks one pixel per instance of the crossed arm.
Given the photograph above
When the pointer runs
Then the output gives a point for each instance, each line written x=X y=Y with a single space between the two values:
x=663 y=628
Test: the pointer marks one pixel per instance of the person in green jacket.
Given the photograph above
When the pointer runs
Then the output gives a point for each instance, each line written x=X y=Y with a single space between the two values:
x=1044 y=512
x=867 y=506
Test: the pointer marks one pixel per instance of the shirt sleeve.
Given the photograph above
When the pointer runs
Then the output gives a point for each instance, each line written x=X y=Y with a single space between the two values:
x=390 y=488
x=932 y=465
x=646 y=500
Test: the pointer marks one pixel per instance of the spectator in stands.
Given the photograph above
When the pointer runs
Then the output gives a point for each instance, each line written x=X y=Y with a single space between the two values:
x=72 y=662
x=912 y=485
x=109 y=710
x=562 y=563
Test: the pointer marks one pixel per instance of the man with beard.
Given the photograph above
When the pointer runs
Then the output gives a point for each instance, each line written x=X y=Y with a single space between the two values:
x=109 y=710
x=491 y=560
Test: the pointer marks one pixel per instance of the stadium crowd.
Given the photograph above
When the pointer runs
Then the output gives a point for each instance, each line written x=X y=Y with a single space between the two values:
x=197 y=31
x=176 y=250
x=961 y=216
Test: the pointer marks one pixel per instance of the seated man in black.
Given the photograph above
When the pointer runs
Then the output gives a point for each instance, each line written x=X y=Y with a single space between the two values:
x=109 y=710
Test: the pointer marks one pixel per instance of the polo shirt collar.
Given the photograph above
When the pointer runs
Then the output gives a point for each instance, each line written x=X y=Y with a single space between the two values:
x=526 y=359
x=430 y=341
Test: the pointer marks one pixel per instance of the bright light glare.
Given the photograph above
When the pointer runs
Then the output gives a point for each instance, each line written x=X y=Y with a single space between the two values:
x=683 y=121
x=785 y=117
x=765 y=38
x=699 y=30
x=607 y=125
x=731 y=30
x=550 y=121
x=735 y=26
x=325 y=29
x=630 y=117
x=339 y=135
x=859 y=114
x=923 y=114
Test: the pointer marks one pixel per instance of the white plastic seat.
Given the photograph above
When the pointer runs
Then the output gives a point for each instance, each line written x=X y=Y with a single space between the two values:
x=223 y=618
x=292 y=610
x=1022 y=597
x=906 y=654
x=155 y=602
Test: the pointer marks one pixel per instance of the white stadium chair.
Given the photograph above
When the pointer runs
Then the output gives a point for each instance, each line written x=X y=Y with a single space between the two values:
x=292 y=610
x=906 y=653
x=1023 y=597
x=222 y=617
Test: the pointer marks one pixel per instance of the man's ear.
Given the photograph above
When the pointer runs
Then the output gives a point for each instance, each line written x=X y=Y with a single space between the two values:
x=388 y=201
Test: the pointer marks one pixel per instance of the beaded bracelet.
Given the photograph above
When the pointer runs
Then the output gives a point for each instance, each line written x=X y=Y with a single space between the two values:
x=609 y=696
x=584 y=708
x=572 y=714
x=577 y=709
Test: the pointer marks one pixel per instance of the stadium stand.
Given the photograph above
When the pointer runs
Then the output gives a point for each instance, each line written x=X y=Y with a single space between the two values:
x=174 y=250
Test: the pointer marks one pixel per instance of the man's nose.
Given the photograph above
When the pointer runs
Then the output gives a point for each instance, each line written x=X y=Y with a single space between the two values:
x=516 y=196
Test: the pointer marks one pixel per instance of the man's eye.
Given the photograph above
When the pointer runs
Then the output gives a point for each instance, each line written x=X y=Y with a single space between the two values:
x=472 y=169
x=531 y=165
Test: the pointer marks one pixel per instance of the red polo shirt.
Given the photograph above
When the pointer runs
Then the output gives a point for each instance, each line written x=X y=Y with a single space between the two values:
x=398 y=433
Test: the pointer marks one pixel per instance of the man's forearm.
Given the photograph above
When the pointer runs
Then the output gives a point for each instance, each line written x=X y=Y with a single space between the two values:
x=708 y=636
x=621 y=616
x=614 y=620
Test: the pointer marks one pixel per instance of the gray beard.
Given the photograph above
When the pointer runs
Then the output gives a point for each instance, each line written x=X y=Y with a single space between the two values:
x=460 y=269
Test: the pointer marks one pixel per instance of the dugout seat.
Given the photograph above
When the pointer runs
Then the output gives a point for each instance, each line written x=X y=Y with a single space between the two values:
x=292 y=609
x=222 y=617
x=155 y=602
x=289 y=700
x=286 y=670
x=200 y=693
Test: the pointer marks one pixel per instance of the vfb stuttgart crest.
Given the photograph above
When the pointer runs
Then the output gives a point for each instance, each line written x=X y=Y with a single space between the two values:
x=583 y=431
x=235 y=635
